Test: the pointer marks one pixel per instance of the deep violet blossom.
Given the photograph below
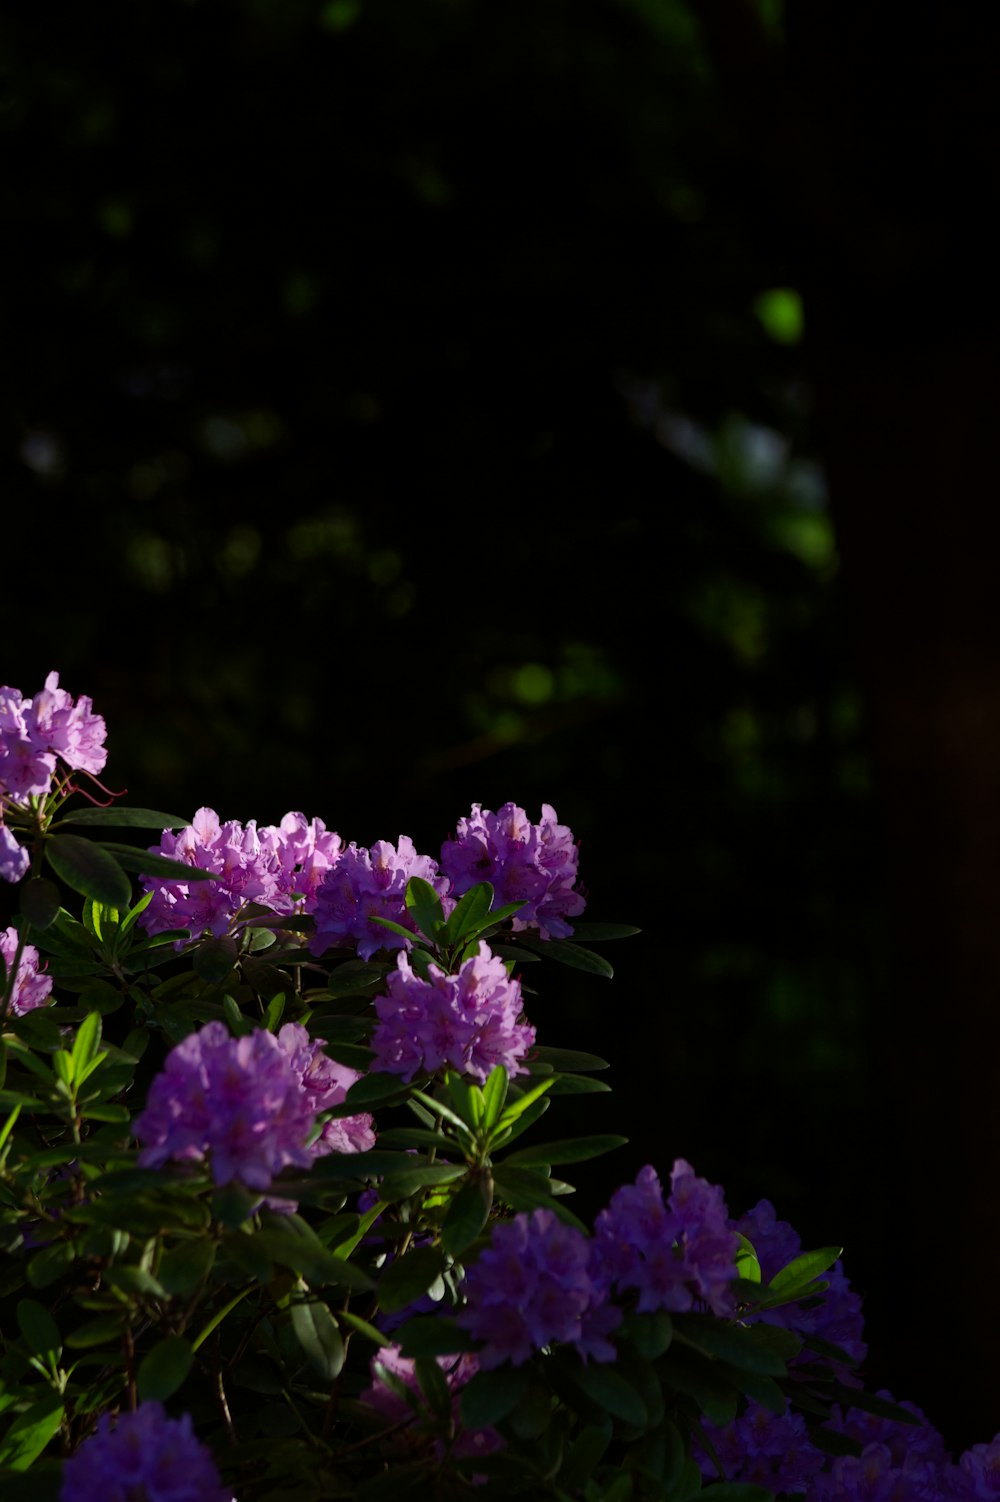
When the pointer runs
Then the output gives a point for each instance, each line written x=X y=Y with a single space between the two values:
x=146 y=1455
x=247 y=1104
x=366 y=884
x=536 y=1284
x=467 y=1022
x=535 y=864
x=278 y=866
x=31 y=987
x=673 y=1253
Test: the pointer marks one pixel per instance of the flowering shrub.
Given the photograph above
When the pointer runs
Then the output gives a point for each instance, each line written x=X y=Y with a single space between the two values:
x=273 y=1226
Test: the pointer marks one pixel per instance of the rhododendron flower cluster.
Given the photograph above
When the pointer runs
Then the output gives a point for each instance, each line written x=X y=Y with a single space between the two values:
x=247 y=1104
x=368 y=884
x=31 y=986
x=391 y=1370
x=467 y=1022
x=279 y=867
x=534 y=1284
x=674 y=1253
x=535 y=864
x=143 y=1455
x=34 y=732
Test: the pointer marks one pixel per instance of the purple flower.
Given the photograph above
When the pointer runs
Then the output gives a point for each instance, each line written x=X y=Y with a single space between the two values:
x=535 y=864
x=467 y=1022
x=31 y=989
x=675 y=1253
x=14 y=859
x=367 y=884
x=71 y=730
x=533 y=1285
x=762 y=1449
x=874 y=1476
x=144 y=1455
x=981 y=1469
x=277 y=867
x=325 y=1084
x=247 y=1104
x=26 y=769
x=390 y=1370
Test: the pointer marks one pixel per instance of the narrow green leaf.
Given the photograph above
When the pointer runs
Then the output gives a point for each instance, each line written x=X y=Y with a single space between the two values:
x=85 y=1045
x=39 y=1330
x=567 y=1058
x=597 y=933
x=317 y=1333
x=734 y=1344
x=151 y=863
x=567 y=953
x=747 y=1264
x=434 y=1386
x=125 y=818
x=88 y=868
x=395 y=928
x=467 y=1099
x=516 y=1106
x=105 y=1330
x=494 y=1096
x=164 y=1369
x=135 y=912
x=371 y=1091
x=568 y=1150
x=346 y=1317
x=793 y=1281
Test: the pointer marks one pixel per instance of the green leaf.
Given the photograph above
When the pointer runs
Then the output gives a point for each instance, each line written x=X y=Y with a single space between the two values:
x=399 y=1186
x=150 y=863
x=409 y=1276
x=39 y=1330
x=650 y=1333
x=467 y=1214
x=467 y=1098
x=612 y=1393
x=735 y=1344
x=125 y=818
x=568 y=1150
x=39 y=901
x=524 y=1189
x=233 y=1204
x=424 y=906
x=470 y=915
x=747 y=1264
x=106 y=1329
x=517 y=1105
x=29 y=1434
x=214 y=960
x=567 y=1058
x=567 y=953
x=432 y=1335
x=372 y=1091
x=134 y=1282
x=793 y=1281
x=494 y=1096
x=598 y=933
x=239 y=1026
x=89 y=869
x=578 y=1084
x=688 y=1372
x=85 y=1045
x=317 y=1333
x=490 y=1396
x=186 y=1265
x=49 y=1264
x=164 y=1369
x=395 y=928
x=362 y=1326
x=295 y=1245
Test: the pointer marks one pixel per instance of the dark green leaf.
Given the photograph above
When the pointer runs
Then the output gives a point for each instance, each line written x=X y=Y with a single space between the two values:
x=106 y=1329
x=48 y=1265
x=735 y=1344
x=578 y=1084
x=567 y=1059
x=605 y=1386
x=467 y=1214
x=39 y=1330
x=135 y=1282
x=431 y=1335
x=214 y=959
x=233 y=1204
x=409 y=1276
x=125 y=818
x=39 y=901
x=149 y=863
x=164 y=1369
x=567 y=953
x=317 y=1333
x=651 y=1333
x=596 y=933
x=186 y=1265
x=690 y=1373
x=490 y=1396
x=399 y=1186
x=434 y=1387
x=372 y=1091
x=89 y=869
x=567 y=1150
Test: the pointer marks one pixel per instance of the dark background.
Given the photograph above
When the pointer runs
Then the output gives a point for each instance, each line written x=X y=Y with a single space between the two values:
x=405 y=404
